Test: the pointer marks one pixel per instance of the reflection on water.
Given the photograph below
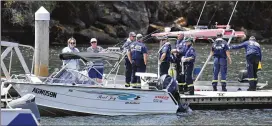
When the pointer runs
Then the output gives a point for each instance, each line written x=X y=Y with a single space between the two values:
x=198 y=117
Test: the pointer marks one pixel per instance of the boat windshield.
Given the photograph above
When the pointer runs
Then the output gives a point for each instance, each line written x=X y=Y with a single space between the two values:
x=71 y=76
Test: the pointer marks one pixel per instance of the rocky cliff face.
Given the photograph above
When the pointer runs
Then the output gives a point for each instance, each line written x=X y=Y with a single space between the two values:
x=110 y=21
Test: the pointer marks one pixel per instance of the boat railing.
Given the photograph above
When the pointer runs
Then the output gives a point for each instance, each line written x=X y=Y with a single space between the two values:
x=10 y=46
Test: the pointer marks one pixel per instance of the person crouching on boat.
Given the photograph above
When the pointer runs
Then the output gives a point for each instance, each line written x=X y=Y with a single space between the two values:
x=96 y=71
x=128 y=65
x=253 y=57
x=189 y=60
x=73 y=63
x=165 y=56
x=220 y=52
x=168 y=83
x=137 y=55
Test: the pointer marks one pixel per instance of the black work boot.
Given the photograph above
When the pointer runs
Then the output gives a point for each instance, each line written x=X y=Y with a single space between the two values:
x=127 y=85
x=181 y=89
x=214 y=88
x=190 y=91
x=224 y=88
x=251 y=88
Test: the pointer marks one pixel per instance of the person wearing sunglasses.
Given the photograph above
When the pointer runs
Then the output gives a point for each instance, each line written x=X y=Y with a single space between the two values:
x=73 y=63
x=96 y=71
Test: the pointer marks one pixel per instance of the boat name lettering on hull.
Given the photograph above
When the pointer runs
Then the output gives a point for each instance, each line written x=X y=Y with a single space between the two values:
x=107 y=97
x=132 y=102
x=157 y=100
x=162 y=97
x=44 y=92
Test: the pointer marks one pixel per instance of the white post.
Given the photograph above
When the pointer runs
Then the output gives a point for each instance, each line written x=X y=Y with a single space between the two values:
x=42 y=17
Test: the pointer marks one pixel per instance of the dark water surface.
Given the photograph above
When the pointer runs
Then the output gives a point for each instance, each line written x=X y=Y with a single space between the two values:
x=198 y=117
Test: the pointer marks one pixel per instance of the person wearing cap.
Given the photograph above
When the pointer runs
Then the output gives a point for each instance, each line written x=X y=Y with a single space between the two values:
x=71 y=48
x=165 y=56
x=137 y=55
x=180 y=52
x=128 y=66
x=96 y=71
x=189 y=59
x=220 y=53
x=253 y=57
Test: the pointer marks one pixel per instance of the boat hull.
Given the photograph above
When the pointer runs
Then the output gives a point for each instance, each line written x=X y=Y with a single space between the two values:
x=102 y=101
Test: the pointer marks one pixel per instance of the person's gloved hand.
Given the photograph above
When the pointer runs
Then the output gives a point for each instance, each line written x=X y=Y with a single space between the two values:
x=183 y=59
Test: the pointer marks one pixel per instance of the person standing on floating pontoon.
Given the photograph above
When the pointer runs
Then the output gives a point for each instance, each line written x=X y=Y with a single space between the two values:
x=128 y=66
x=137 y=55
x=253 y=57
x=96 y=71
x=189 y=60
x=180 y=51
x=165 y=56
x=220 y=52
x=73 y=63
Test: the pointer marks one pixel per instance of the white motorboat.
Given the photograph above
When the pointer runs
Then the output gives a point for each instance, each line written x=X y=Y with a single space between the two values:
x=70 y=92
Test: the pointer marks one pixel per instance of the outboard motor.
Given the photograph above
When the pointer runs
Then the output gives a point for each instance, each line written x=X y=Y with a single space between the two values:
x=26 y=102
x=170 y=84
x=243 y=76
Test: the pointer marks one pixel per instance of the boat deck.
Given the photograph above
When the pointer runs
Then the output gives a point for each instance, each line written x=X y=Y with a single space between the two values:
x=226 y=100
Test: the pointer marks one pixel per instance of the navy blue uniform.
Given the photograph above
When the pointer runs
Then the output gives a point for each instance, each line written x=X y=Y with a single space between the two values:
x=128 y=65
x=188 y=69
x=219 y=48
x=137 y=50
x=181 y=49
x=165 y=64
x=253 y=57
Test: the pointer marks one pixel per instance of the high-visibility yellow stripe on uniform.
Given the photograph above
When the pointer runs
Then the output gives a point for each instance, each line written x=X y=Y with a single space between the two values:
x=251 y=79
x=190 y=85
x=135 y=84
x=182 y=84
x=223 y=81
x=214 y=80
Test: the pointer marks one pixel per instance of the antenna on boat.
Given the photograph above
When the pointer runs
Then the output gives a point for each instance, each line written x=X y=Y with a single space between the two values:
x=232 y=13
x=201 y=13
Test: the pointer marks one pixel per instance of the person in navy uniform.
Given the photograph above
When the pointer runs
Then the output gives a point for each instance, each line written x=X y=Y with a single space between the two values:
x=189 y=60
x=180 y=52
x=180 y=39
x=128 y=66
x=165 y=56
x=220 y=52
x=137 y=55
x=253 y=57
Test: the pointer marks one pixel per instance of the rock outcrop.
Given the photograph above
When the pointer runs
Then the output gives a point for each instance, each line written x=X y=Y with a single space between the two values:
x=110 y=21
